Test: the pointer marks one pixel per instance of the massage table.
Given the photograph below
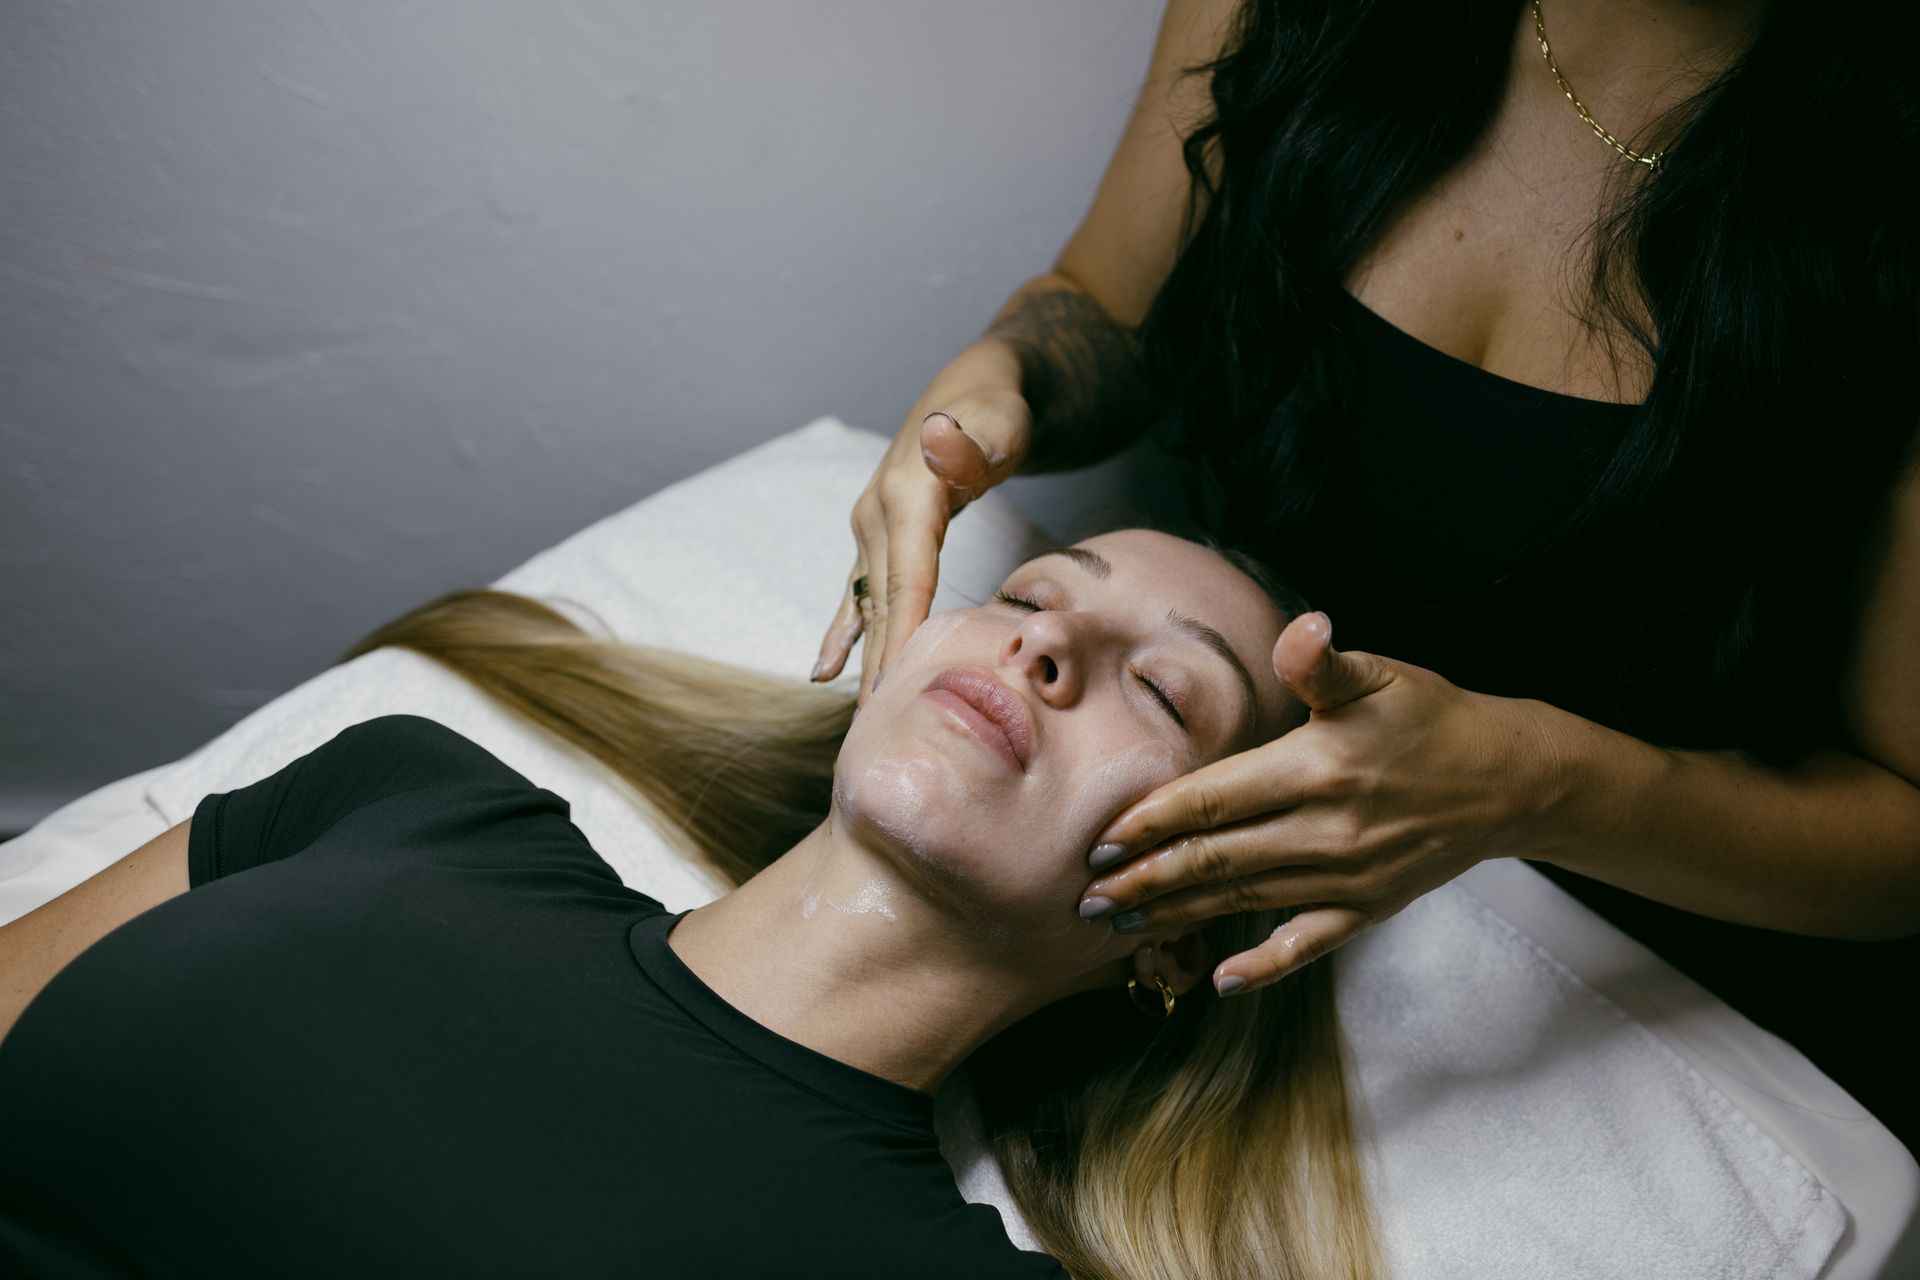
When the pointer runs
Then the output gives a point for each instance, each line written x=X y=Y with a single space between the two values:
x=1538 y=1095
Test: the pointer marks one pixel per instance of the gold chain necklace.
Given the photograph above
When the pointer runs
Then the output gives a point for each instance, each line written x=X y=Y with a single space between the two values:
x=1651 y=159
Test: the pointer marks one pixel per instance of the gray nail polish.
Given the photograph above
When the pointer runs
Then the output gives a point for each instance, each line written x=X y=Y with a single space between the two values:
x=1105 y=855
x=1094 y=908
x=1129 y=922
x=1230 y=984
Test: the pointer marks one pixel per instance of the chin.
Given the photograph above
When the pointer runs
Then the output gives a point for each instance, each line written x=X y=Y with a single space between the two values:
x=950 y=833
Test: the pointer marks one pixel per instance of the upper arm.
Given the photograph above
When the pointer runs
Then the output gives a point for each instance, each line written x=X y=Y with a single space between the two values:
x=1126 y=245
x=1883 y=671
x=41 y=943
x=229 y=832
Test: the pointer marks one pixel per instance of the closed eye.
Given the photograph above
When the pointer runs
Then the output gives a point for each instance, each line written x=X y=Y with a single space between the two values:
x=1021 y=602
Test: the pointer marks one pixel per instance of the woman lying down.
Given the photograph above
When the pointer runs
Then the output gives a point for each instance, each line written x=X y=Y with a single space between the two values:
x=408 y=1022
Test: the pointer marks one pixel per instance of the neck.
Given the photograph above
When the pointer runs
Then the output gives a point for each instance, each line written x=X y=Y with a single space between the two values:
x=1627 y=52
x=831 y=947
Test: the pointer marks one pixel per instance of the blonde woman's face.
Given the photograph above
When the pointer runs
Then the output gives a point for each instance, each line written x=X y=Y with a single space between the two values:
x=1109 y=699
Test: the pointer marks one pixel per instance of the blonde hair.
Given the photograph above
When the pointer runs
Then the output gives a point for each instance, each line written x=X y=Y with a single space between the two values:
x=1217 y=1142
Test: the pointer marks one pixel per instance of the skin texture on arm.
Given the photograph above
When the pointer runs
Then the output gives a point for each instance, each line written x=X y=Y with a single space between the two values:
x=1074 y=328
x=1079 y=373
x=1830 y=848
x=1127 y=243
x=41 y=943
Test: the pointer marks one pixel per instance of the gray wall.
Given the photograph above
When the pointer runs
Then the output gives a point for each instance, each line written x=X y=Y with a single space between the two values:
x=313 y=309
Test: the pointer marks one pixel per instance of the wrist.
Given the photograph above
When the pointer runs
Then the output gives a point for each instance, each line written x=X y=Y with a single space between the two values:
x=993 y=362
x=1581 y=783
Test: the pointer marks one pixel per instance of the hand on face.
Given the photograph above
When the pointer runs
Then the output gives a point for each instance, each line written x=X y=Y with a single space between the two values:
x=1399 y=782
x=1118 y=701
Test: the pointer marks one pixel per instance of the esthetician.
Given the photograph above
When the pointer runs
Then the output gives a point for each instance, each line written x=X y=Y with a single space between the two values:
x=1563 y=353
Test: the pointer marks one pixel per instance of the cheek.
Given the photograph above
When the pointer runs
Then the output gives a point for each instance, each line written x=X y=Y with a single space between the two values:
x=1052 y=871
x=1050 y=886
x=1097 y=793
x=927 y=640
x=1031 y=840
x=920 y=657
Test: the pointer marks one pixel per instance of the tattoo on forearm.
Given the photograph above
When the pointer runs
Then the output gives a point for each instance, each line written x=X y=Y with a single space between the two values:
x=1080 y=373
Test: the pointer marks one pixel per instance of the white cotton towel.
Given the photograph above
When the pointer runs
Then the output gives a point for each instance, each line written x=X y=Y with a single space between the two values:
x=1492 y=1076
x=1517 y=1124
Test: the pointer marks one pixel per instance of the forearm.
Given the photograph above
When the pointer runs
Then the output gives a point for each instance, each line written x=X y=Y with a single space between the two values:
x=1829 y=848
x=1079 y=371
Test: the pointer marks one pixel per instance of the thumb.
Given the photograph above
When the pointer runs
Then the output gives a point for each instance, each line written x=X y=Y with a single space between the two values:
x=974 y=457
x=1318 y=674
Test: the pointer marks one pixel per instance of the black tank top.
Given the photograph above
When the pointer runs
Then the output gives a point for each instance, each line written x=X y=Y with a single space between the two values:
x=1441 y=475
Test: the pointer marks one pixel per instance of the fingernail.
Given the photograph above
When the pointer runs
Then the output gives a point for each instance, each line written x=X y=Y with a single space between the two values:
x=1094 y=908
x=1230 y=984
x=1105 y=855
x=818 y=665
x=1128 y=921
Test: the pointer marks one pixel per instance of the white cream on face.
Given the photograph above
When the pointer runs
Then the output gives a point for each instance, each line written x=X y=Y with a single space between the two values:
x=895 y=795
x=1080 y=807
x=1097 y=796
x=980 y=867
x=929 y=633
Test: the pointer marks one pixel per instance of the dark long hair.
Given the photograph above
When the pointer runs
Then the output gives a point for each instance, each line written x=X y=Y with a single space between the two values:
x=1772 y=253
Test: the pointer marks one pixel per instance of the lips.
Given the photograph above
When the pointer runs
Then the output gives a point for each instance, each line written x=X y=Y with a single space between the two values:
x=1001 y=706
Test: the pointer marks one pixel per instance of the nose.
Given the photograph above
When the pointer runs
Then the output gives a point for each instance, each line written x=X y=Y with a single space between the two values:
x=1050 y=652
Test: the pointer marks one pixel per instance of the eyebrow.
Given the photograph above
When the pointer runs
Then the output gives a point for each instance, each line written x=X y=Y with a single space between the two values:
x=1194 y=629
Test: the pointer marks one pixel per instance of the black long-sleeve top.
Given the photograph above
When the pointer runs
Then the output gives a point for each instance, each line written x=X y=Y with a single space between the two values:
x=407 y=1022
